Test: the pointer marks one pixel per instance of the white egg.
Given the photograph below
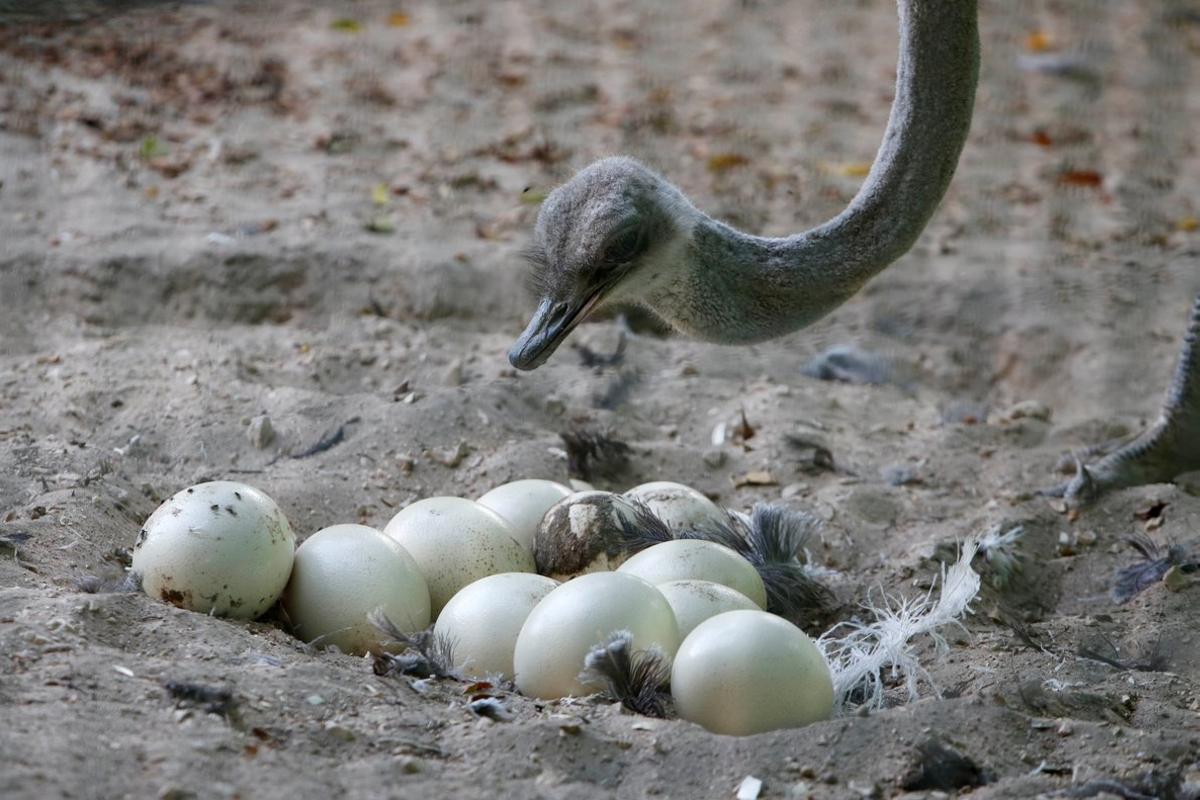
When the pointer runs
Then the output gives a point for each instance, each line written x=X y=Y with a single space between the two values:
x=483 y=620
x=681 y=507
x=583 y=533
x=457 y=542
x=696 y=559
x=524 y=503
x=343 y=573
x=746 y=672
x=580 y=615
x=221 y=547
x=694 y=601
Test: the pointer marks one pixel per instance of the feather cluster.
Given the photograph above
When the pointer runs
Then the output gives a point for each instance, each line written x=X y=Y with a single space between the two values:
x=774 y=539
x=637 y=678
x=861 y=654
x=641 y=527
x=1000 y=549
x=426 y=654
x=1152 y=567
x=593 y=454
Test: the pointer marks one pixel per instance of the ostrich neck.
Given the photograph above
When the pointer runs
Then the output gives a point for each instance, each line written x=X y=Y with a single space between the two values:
x=740 y=288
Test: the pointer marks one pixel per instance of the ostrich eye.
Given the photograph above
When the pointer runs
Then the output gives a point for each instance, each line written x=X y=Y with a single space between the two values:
x=625 y=246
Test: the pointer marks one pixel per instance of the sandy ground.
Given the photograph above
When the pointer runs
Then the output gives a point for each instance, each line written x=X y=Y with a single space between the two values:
x=230 y=210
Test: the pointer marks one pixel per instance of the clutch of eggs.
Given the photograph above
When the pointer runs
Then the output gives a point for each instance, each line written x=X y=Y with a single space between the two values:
x=226 y=548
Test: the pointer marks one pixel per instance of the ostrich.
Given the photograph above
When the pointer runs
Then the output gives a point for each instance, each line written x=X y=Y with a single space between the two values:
x=619 y=234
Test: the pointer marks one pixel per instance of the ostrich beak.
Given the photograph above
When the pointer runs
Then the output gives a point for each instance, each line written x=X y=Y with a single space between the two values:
x=551 y=323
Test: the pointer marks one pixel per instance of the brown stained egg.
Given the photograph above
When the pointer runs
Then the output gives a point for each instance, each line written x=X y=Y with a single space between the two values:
x=697 y=559
x=694 y=601
x=523 y=503
x=483 y=620
x=582 y=533
x=343 y=573
x=219 y=548
x=681 y=507
x=746 y=672
x=457 y=542
x=578 y=616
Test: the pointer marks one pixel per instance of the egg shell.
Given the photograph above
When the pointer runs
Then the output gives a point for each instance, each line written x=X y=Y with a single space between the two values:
x=681 y=507
x=523 y=503
x=220 y=547
x=483 y=620
x=694 y=601
x=696 y=559
x=579 y=615
x=344 y=572
x=746 y=672
x=582 y=533
x=457 y=542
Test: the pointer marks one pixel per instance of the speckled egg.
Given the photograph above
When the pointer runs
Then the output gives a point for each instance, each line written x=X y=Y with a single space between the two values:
x=694 y=601
x=456 y=542
x=746 y=672
x=579 y=615
x=681 y=507
x=523 y=503
x=483 y=620
x=583 y=533
x=697 y=559
x=220 y=547
x=344 y=572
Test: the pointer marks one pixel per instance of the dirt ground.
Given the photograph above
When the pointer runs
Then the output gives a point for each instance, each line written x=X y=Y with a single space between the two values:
x=226 y=210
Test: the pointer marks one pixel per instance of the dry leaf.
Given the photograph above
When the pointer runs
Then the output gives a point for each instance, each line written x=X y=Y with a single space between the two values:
x=1187 y=224
x=380 y=224
x=380 y=194
x=1039 y=42
x=1040 y=137
x=855 y=169
x=743 y=430
x=477 y=687
x=722 y=162
x=1081 y=177
x=755 y=478
x=533 y=196
x=346 y=25
x=399 y=19
x=150 y=148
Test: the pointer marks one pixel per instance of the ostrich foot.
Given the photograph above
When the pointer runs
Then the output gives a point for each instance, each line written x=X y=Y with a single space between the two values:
x=1169 y=447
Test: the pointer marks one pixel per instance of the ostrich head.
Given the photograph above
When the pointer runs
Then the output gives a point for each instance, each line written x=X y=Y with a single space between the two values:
x=607 y=236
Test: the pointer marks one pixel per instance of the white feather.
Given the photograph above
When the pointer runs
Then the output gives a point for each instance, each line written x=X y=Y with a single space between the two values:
x=860 y=657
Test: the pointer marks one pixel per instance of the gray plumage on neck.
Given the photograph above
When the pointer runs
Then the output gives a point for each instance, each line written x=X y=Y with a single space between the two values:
x=619 y=233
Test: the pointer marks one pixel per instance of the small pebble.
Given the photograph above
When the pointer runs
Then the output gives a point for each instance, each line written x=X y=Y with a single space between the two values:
x=1031 y=409
x=900 y=475
x=339 y=731
x=749 y=788
x=451 y=458
x=454 y=373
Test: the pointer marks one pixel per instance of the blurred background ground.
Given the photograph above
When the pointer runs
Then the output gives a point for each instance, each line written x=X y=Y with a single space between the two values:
x=215 y=211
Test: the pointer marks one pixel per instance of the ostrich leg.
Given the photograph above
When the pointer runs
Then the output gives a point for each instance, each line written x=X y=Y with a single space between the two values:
x=1169 y=447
